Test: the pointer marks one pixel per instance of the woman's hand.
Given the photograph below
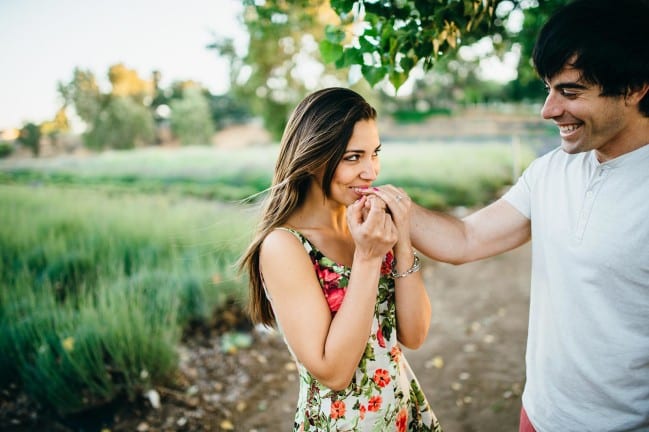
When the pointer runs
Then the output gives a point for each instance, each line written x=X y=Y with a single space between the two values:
x=399 y=205
x=372 y=229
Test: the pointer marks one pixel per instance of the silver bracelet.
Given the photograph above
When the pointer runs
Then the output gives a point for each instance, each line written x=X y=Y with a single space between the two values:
x=416 y=265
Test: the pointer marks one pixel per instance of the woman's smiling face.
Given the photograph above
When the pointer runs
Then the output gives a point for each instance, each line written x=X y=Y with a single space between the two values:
x=360 y=164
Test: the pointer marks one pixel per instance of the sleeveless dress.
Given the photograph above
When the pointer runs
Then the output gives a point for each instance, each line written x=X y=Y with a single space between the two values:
x=384 y=394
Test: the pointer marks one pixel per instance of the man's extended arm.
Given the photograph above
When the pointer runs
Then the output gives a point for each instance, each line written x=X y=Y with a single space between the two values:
x=494 y=229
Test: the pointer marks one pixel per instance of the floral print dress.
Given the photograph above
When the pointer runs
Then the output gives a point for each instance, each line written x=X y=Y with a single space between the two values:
x=384 y=394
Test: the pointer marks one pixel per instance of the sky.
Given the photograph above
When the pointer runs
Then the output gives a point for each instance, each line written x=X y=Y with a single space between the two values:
x=42 y=41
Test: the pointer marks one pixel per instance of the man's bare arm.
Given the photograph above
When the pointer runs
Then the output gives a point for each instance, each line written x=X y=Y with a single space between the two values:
x=491 y=230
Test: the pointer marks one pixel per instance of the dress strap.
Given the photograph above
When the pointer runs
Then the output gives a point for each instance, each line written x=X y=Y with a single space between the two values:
x=292 y=231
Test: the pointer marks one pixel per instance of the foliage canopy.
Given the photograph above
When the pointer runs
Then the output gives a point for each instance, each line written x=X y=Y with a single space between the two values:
x=388 y=38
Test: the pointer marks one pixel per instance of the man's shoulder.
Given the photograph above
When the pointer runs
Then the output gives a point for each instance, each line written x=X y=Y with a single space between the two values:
x=558 y=158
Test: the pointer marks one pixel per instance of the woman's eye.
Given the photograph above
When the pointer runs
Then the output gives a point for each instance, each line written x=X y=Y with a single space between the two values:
x=352 y=158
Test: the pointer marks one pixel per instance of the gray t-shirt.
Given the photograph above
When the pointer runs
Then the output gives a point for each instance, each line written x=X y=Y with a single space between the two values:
x=588 y=345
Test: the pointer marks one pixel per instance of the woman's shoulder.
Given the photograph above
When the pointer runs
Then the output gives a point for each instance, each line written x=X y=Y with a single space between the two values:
x=282 y=236
x=282 y=249
x=282 y=240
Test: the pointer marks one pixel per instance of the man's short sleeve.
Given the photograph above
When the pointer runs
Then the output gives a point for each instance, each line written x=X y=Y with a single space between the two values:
x=519 y=195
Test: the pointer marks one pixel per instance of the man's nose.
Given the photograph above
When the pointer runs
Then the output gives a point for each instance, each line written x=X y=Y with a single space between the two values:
x=552 y=107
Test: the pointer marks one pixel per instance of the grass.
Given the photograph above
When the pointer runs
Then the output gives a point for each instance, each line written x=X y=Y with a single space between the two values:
x=96 y=287
x=437 y=175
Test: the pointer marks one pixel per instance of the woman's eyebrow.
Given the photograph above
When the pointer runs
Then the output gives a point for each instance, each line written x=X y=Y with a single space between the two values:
x=378 y=147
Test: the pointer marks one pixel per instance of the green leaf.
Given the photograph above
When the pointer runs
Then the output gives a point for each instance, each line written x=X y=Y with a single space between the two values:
x=341 y=6
x=373 y=74
x=334 y=34
x=330 y=51
x=398 y=78
x=407 y=63
x=352 y=56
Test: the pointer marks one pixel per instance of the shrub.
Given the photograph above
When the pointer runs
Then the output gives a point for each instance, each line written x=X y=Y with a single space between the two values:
x=75 y=356
x=30 y=137
x=6 y=148
x=191 y=119
x=121 y=124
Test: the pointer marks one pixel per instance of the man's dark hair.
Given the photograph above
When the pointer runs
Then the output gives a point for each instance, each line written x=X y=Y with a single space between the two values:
x=609 y=40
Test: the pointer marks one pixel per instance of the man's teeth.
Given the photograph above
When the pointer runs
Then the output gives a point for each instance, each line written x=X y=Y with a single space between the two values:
x=568 y=128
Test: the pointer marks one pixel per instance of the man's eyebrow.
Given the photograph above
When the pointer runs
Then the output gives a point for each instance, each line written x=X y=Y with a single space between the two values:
x=567 y=85
x=572 y=85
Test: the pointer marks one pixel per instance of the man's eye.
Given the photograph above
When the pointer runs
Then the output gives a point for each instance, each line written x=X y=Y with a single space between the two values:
x=568 y=93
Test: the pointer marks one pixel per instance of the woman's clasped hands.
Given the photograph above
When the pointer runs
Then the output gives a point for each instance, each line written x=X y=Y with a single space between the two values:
x=371 y=227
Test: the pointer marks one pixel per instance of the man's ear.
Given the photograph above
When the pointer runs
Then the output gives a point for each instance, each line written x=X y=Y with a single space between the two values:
x=634 y=96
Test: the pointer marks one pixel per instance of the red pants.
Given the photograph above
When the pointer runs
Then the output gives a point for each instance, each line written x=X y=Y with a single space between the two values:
x=525 y=425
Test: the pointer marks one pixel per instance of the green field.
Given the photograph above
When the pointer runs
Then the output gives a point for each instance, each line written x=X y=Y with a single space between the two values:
x=438 y=176
x=106 y=259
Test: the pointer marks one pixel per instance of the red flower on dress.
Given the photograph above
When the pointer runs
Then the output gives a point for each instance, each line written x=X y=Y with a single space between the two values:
x=395 y=353
x=362 y=410
x=386 y=265
x=335 y=298
x=381 y=377
x=402 y=420
x=328 y=277
x=337 y=409
x=379 y=338
x=330 y=281
x=374 y=404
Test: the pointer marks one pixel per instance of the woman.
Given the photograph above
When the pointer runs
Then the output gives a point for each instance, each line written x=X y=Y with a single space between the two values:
x=335 y=270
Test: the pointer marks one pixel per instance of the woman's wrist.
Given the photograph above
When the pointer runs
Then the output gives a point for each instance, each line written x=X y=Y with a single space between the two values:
x=368 y=257
x=415 y=267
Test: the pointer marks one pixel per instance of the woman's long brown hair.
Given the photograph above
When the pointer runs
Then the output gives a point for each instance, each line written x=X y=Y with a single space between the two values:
x=315 y=136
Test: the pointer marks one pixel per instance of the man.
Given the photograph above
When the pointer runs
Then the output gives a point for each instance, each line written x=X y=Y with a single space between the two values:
x=585 y=206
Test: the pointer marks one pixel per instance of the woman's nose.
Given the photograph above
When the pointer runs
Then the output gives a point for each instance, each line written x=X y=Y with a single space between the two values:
x=369 y=171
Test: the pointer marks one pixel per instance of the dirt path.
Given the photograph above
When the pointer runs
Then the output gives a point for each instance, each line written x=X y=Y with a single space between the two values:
x=471 y=367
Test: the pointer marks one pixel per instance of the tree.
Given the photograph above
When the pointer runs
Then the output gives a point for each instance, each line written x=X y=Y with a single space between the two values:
x=282 y=62
x=122 y=124
x=126 y=82
x=30 y=137
x=53 y=129
x=82 y=93
x=528 y=85
x=389 y=38
x=190 y=117
x=227 y=110
x=59 y=124
x=120 y=119
x=386 y=42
